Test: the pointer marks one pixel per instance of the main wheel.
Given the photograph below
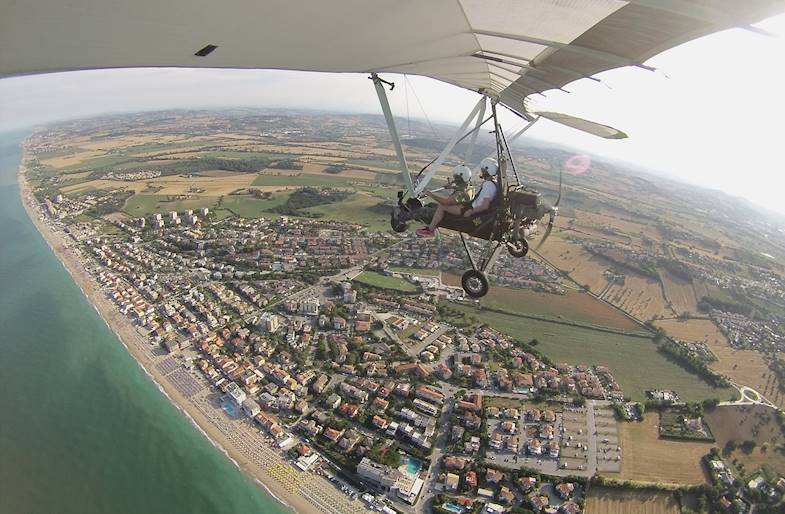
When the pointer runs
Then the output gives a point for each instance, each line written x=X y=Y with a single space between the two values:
x=474 y=283
x=518 y=248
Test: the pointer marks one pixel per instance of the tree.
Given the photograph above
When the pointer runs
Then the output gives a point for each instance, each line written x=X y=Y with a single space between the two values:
x=710 y=403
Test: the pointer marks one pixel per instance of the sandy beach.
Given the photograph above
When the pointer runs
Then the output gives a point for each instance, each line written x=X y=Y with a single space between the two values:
x=239 y=439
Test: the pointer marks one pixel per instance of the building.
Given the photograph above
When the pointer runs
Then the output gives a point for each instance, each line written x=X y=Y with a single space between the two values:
x=429 y=394
x=378 y=474
x=250 y=407
x=236 y=394
x=349 y=296
x=565 y=490
x=269 y=322
x=320 y=384
x=310 y=307
x=426 y=407
x=408 y=487
x=472 y=404
x=451 y=482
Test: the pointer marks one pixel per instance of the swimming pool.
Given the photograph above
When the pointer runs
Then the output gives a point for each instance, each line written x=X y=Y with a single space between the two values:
x=453 y=508
x=411 y=465
x=231 y=410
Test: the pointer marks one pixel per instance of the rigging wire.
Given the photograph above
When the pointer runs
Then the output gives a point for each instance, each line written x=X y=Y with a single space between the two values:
x=509 y=154
x=475 y=129
x=406 y=95
x=414 y=92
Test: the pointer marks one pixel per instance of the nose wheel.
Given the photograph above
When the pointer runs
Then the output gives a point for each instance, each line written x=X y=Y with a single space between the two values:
x=474 y=283
x=518 y=248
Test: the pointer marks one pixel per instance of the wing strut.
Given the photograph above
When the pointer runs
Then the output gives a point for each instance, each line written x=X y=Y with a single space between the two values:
x=388 y=116
x=473 y=139
x=447 y=149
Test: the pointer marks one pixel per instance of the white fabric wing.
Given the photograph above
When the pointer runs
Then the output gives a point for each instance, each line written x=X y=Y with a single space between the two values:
x=508 y=48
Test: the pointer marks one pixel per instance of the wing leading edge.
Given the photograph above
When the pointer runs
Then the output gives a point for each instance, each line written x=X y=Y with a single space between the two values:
x=509 y=49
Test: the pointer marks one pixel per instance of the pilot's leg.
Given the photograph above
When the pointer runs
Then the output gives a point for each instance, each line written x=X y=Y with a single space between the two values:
x=440 y=212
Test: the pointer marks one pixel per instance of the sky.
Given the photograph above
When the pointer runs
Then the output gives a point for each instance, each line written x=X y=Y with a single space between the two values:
x=711 y=114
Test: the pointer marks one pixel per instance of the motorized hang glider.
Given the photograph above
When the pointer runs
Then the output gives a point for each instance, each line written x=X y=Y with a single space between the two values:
x=505 y=50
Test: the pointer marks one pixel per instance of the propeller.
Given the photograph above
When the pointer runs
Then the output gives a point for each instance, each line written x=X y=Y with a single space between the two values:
x=552 y=211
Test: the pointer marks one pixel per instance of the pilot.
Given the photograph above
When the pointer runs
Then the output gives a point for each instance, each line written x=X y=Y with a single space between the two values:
x=465 y=205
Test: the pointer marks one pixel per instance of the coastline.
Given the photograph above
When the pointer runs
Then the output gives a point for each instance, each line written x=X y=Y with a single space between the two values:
x=238 y=440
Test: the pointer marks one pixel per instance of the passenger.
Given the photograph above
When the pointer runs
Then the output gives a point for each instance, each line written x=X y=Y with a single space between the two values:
x=459 y=200
x=466 y=208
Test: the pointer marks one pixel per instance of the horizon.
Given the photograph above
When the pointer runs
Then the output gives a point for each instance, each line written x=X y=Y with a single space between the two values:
x=628 y=167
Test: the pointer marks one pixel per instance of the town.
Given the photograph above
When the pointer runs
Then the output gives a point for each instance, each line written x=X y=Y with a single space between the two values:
x=346 y=376
x=344 y=361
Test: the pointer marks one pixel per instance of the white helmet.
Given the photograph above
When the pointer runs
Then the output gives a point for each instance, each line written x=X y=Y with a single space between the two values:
x=462 y=171
x=489 y=166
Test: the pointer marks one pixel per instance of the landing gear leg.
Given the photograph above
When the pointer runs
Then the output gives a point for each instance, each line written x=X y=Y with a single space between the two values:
x=474 y=281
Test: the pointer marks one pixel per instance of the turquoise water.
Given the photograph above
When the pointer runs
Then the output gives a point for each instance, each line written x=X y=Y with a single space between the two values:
x=82 y=428
x=230 y=408
x=413 y=466
x=452 y=507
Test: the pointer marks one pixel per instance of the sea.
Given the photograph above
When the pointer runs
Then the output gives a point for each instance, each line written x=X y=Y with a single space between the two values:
x=83 y=429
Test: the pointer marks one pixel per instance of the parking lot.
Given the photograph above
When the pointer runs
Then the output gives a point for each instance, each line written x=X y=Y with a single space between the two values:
x=527 y=430
x=590 y=440
x=575 y=439
x=608 y=449
x=587 y=438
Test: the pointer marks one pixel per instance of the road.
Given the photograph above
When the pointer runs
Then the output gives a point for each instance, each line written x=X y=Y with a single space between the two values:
x=749 y=396
x=426 y=497
x=417 y=348
x=346 y=274
x=591 y=456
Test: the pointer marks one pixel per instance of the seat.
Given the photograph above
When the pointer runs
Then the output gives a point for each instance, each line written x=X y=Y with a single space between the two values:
x=480 y=225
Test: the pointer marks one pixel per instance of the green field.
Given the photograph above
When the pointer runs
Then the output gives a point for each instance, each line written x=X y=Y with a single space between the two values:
x=375 y=163
x=236 y=154
x=97 y=162
x=247 y=206
x=528 y=306
x=165 y=147
x=634 y=361
x=416 y=271
x=356 y=209
x=142 y=205
x=60 y=153
x=302 y=179
x=378 y=280
x=572 y=307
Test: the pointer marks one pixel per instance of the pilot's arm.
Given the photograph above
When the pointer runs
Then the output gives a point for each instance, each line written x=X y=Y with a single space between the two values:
x=443 y=200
